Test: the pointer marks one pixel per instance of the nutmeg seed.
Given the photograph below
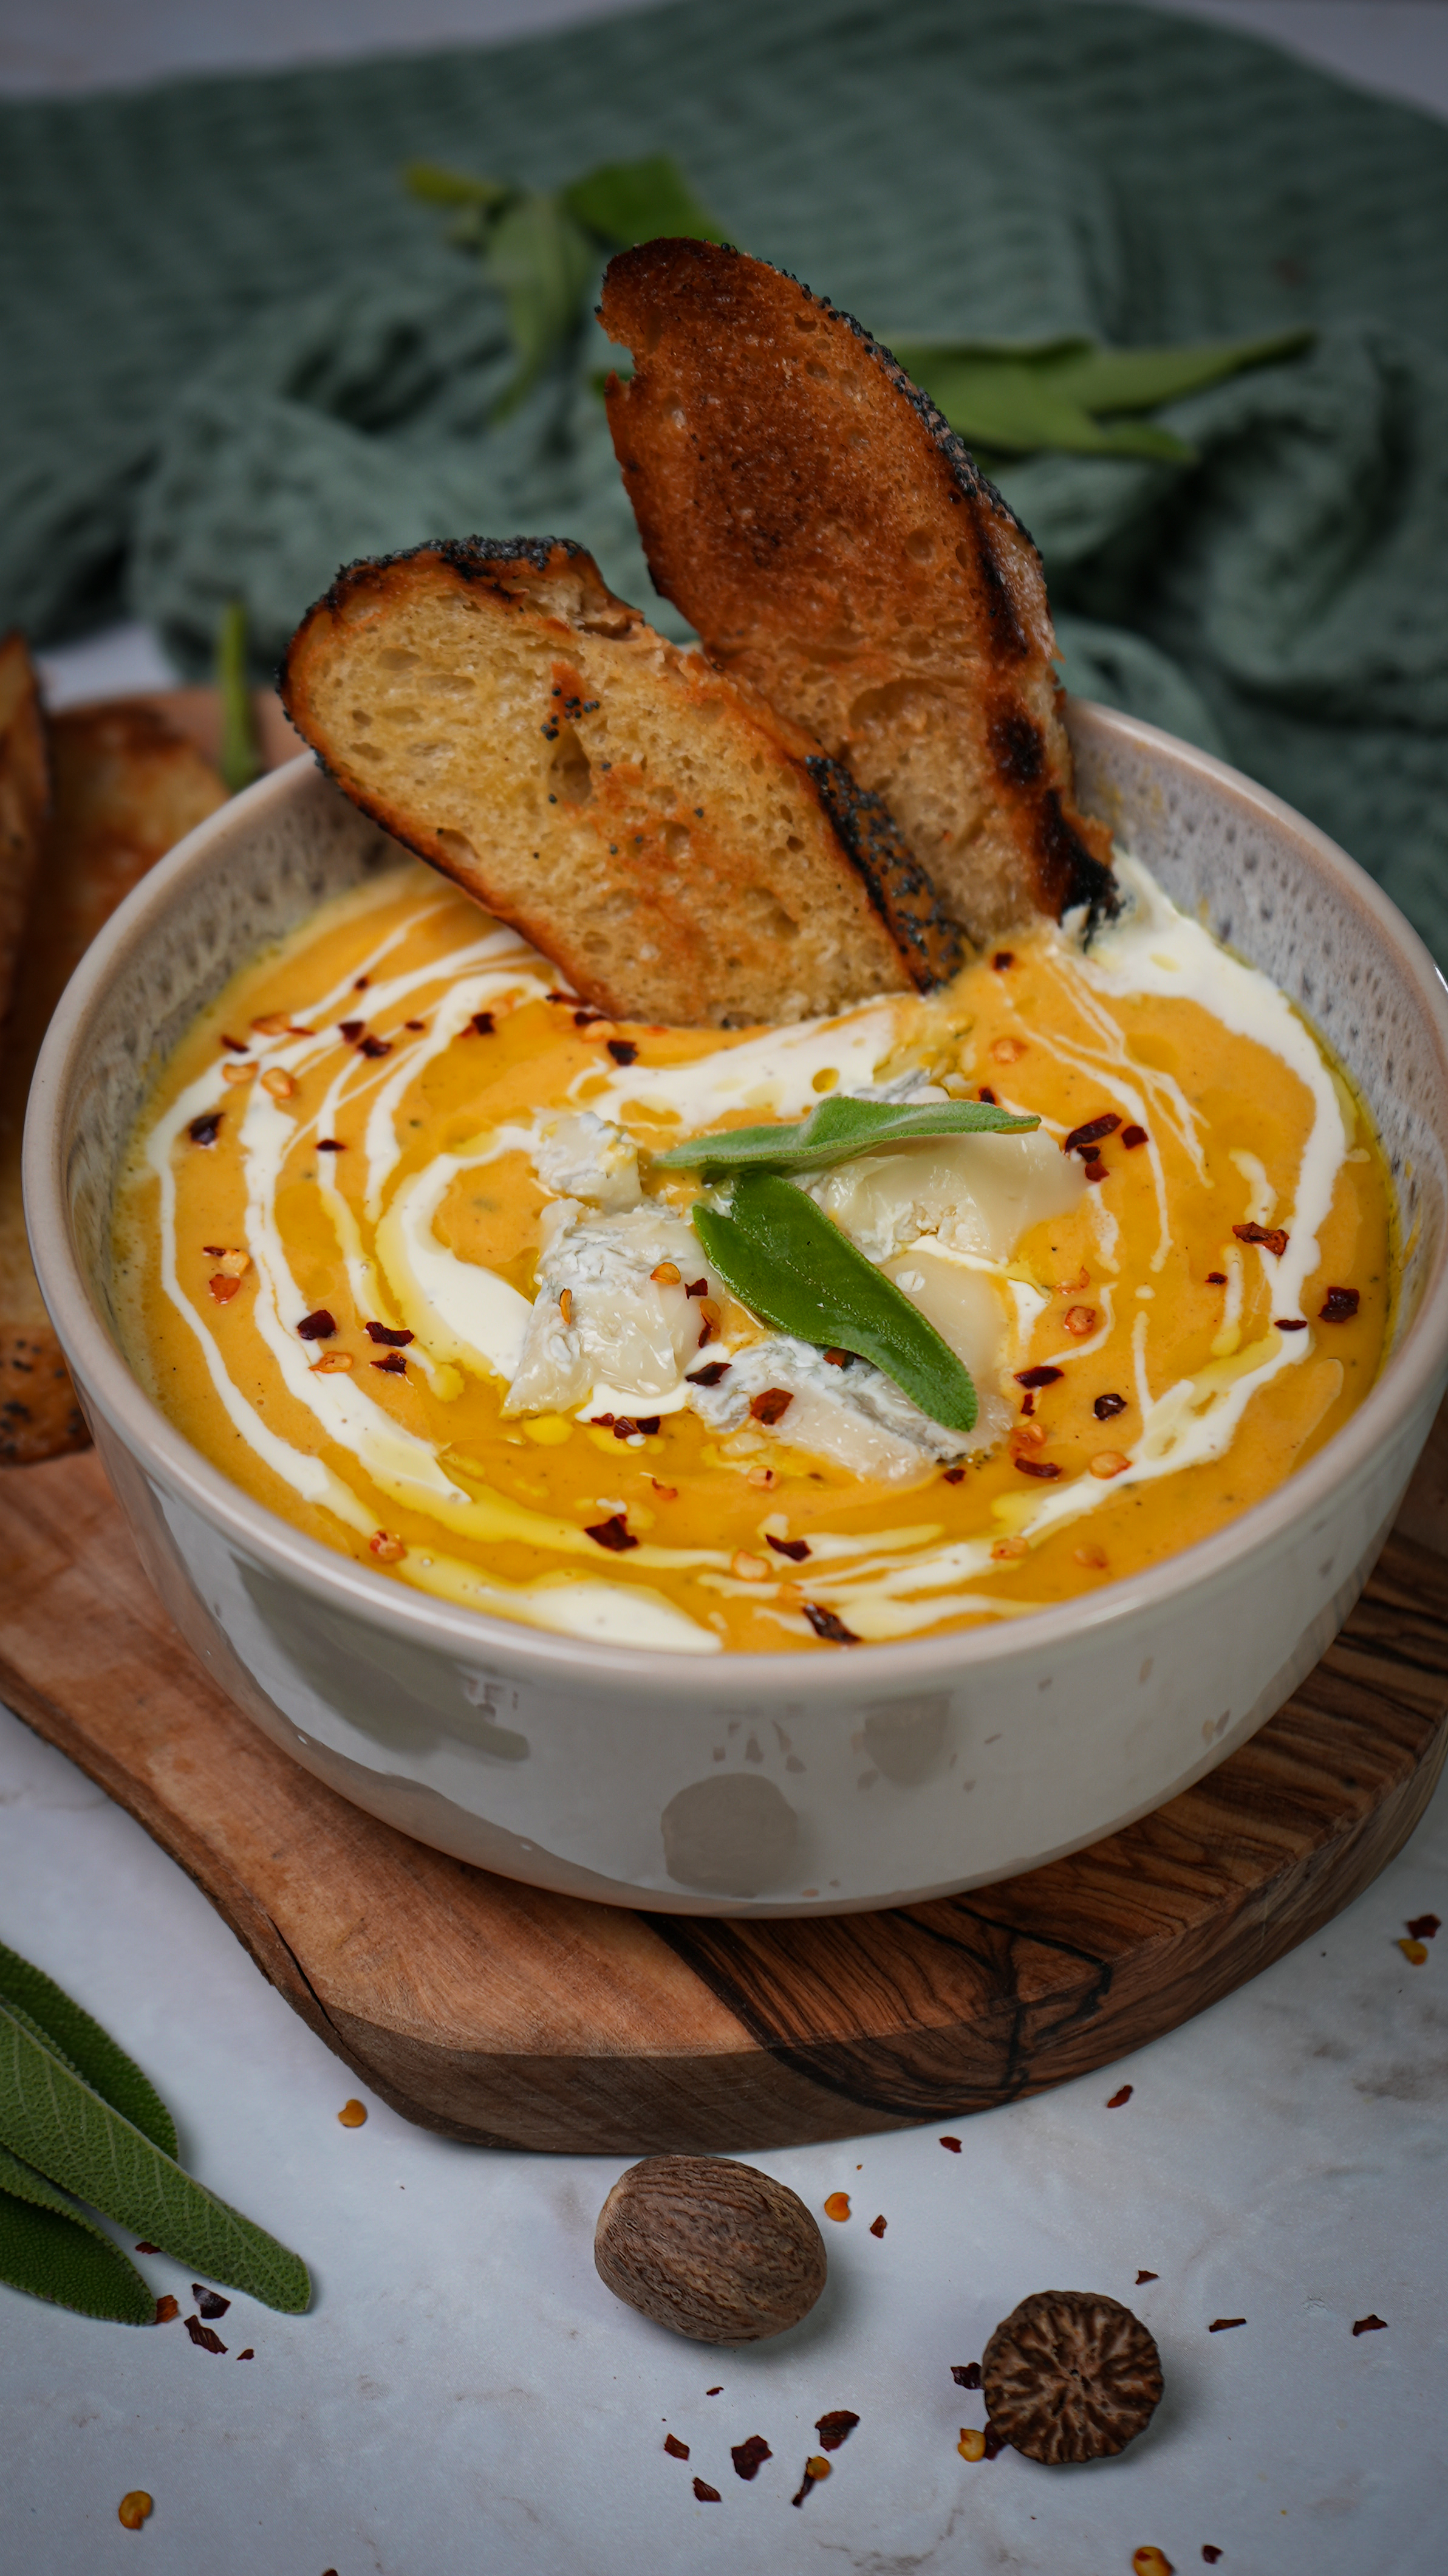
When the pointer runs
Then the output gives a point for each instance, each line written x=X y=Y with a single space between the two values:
x=712 y=2249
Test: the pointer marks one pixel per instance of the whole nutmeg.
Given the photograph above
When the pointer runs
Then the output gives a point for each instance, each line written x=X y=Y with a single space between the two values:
x=1071 y=2375
x=712 y=2249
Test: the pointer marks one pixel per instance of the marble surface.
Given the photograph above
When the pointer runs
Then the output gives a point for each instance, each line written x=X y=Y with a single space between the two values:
x=465 y=2395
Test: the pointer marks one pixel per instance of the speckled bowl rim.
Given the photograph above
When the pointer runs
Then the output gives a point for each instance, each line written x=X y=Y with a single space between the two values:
x=1419 y=1360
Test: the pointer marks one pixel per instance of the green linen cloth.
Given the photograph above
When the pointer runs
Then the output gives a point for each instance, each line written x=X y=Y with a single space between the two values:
x=236 y=353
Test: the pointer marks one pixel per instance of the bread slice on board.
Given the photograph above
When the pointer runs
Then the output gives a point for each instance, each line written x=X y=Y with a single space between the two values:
x=834 y=544
x=126 y=788
x=24 y=800
x=680 y=852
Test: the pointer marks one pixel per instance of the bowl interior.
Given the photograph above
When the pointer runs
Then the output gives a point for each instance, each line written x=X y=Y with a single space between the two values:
x=1266 y=882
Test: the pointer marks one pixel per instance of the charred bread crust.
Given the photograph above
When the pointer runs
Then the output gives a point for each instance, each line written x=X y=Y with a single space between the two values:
x=833 y=542
x=39 y=1415
x=705 y=910
x=899 y=887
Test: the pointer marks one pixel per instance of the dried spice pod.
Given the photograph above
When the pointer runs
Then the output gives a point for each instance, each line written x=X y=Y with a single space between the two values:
x=1071 y=2375
x=712 y=2249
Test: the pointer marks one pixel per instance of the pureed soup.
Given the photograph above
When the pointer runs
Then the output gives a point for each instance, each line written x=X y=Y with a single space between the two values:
x=394 y=1250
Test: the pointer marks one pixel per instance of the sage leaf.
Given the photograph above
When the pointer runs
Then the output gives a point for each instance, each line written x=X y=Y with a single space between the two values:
x=836 y=1132
x=627 y=202
x=784 y=1259
x=1025 y=400
x=542 y=262
x=240 y=760
x=50 y=2251
x=55 y=2121
x=87 y=2049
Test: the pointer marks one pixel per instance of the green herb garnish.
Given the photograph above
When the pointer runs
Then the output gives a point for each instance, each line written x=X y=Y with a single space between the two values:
x=1020 y=401
x=835 y=1133
x=788 y=1264
x=541 y=248
x=240 y=760
x=78 y=2118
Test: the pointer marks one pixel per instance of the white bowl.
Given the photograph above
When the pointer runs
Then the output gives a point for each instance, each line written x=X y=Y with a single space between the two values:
x=755 y=1784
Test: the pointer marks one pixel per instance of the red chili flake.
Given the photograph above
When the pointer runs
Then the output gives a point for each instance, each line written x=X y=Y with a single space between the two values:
x=319 y=1326
x=839 y=1359
x=1028 y=1404
x=205 y=1130
x=373 y=1046
x=1003 y=958
x=203 y=2336
x=330 y=1145
x=703 y=2494
x=826 y=1625
x=623 y=1428
x=749 y=2457
x=707 y=1330
x=222 y=1288
x=1370 y=2325
x=612 y=1533
x=835 y=2429
x=709 y=1375
x=995 y=2442
x=1289 y=1323
x=1106 y=1407
x=1422 y=1928
x=146 y=2247
x=697 y=1288
x=248 y=2354
x=988 y=1096
x=361 y=983
x=569 y=998
x=585 y=1018
x=676 y=2449
x=649 y=1422
x=419 y=1025
x=167 y=2308
x=771 y=1405
x=1131 y=1137
x=481 y=1025
x=1117 y=2098
x=1034 y=1377
x=1038 y=1467
x=1210 y=2554
x=796 y=1548
x=1216 y=1279
x=393 y=1366
x=622 y=1050
x=877 y=2227
x=1095 y=1170
x=1091 y=1134
x=1271 y=1236
x=1339 y=1306
x=1146 y=2276
x=351 y=1030
x=210 y=2302
x=953 y=2144
x=955 y=1475
x=966 y=2374
x=806 y=2482
x=1223 y=2325
x=238 y=1046
x=396 y=1341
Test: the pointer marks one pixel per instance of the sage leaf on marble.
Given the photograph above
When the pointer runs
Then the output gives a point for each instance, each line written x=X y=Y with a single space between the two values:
x=71 y=2134
x=837 y=1132
x=88 y=2050
x=790 y=1265
x=51 y=2250
x=1061 y=395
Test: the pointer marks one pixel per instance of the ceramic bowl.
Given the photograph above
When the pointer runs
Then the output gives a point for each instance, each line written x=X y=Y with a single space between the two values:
x=755 y=1784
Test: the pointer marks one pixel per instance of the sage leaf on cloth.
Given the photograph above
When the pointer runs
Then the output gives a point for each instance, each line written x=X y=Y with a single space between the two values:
x=50 y=2249
x=55 y=2121
x=89 y=2050
x=1027 y=401
x=240 y=760
x=836 y=1132
x=785 y=1260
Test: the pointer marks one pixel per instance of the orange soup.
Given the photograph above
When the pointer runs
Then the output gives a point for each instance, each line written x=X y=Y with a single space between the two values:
x=395 y=1250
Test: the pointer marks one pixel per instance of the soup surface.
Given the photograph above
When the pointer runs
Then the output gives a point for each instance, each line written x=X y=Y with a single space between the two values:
x=392 y=1251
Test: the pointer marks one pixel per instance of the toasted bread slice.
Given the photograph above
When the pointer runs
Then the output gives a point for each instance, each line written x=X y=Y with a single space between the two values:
x=126 y=788
x=678 y=851
x=835 y=545
x=24 y=799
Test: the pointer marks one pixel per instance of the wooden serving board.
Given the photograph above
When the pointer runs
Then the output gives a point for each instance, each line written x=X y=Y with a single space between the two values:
x=506 y=2016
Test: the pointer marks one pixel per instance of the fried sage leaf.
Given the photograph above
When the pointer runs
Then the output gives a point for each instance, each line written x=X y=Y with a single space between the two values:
x=50 y=2248
x=87 y=2049
x=786 y=1261
x=52 y=2119
x=835 y=1133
